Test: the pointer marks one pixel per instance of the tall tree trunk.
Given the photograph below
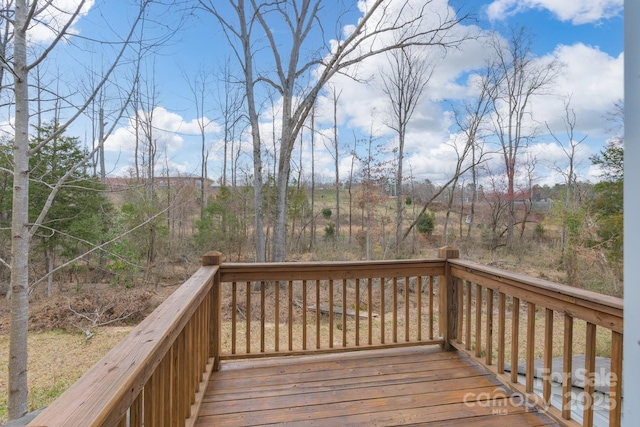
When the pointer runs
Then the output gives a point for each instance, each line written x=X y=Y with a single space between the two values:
x=18 y=389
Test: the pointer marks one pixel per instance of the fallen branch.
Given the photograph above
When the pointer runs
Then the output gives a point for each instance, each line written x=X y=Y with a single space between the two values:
x=324 y=308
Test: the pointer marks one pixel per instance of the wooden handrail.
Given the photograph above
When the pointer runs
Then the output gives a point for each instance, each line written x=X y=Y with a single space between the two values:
x=153 y=375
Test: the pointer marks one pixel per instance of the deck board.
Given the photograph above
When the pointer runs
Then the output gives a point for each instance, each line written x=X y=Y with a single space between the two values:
x=403 y=386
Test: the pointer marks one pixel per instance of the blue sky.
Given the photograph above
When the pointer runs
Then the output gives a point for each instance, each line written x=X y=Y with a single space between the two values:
x=585 y=35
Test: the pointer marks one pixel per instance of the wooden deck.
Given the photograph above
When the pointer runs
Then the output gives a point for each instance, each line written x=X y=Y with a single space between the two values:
x=402 y=386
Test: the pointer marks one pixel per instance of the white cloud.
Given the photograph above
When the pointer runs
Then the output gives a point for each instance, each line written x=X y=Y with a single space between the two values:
x=170 y=133
x=52 y=19
x=576 y=11
x=594 y=81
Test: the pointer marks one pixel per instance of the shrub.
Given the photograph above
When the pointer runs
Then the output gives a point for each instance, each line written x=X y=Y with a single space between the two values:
x=426 y=223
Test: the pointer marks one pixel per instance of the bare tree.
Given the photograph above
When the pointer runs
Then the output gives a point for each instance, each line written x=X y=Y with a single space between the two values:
x=404 y=85
x=334 y=150
x=23 y=16
x=198 y=86
x=299 y=81
x=229 y=100
x=471 y=120
x=570 y=148
x=518 y=76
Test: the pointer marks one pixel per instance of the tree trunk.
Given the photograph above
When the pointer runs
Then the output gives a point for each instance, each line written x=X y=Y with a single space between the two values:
x=18 y=389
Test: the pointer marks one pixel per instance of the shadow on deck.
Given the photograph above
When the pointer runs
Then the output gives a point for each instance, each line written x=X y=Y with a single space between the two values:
x=401 y=386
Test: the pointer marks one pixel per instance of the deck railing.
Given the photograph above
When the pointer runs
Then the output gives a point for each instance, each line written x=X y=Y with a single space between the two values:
x=474 y=290
x=280 y=309
x=157 y=374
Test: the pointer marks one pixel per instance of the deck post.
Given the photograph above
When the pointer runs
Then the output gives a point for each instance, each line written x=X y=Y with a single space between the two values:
x=215 y=319
x=448 y=299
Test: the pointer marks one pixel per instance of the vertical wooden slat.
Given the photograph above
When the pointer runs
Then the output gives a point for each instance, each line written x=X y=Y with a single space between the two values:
x=234 y=316
x=395 y=309
x=460 y=323
x=262 y=314
x=330 y=313
x=430 y=307
x=248 y=326
x=357 y=312
x=467 y=338
x=170 y=389
x=547 y=355
x=589 y=381
x=290 y=295
x=531 y=345
x=419 y=306
x=407 y=320
x=189 y=364
x=165 y=392
x=615 y=380
x=515 y=332
x=135 y=412
x=184 y=403
x=304 y=314
x=123 y=421
x=175 y=382
x=344 y=313
x=489 y=335
x=215 y=322
x=370 y=310
x=502 y=308
x=478 y=337
x=276 y=321
x=317 y=314
x=567 y=367
x=149 y=404
x=382 y=310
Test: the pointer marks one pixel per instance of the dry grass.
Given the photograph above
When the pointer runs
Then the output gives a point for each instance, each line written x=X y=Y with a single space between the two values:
x=56 y=360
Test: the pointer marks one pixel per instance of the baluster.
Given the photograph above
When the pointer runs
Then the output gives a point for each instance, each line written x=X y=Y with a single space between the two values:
x=276 y=321
x=589 y=380
x=357 y=312
x=461 y=285
x=304 y=314
x=395 y=309
x=502 y=308
x=317 y=314
x=489 y=339
x=419 y=306
x=431 y=307
x=615 y=380
x=478 y=321
x=248 y=326
x=290 y=315
x=406 y=309
x=382 y=326
x=567 y=367
x=467 y=338
x=370 y=309
x=515 y=331
x=531 y=345
x=548 y=355
x=344 y=313
x=331 y=313
x=262 y=314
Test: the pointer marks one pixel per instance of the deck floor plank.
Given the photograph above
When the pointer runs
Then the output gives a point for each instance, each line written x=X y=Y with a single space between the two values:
x=403 y=386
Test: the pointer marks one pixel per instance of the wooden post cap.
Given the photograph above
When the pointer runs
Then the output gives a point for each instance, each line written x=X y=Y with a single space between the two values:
x=212 y=258
x=448 y=252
